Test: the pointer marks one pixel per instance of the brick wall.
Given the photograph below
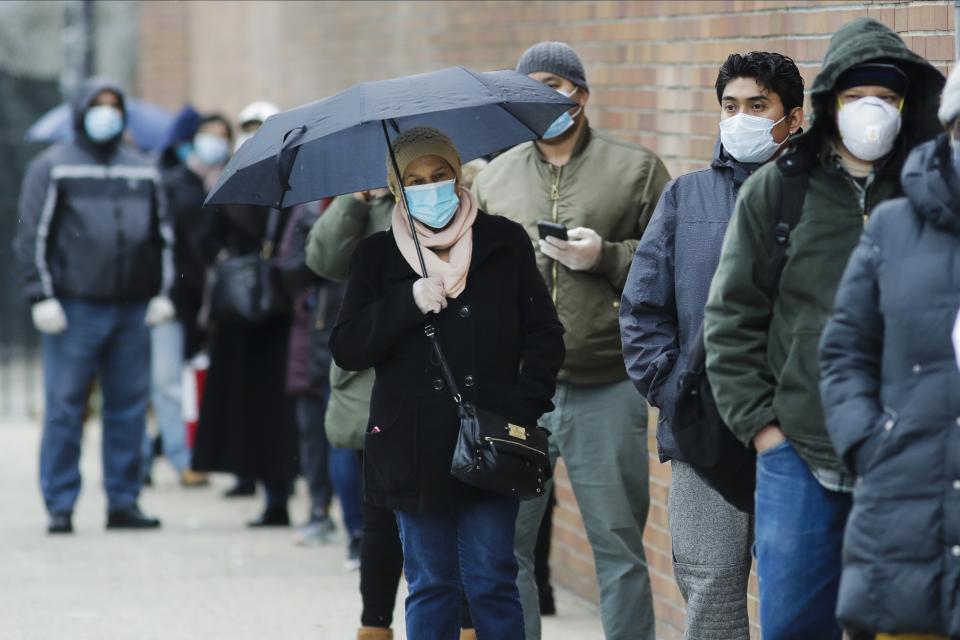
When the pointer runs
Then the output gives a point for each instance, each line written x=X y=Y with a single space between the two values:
x=650 y=65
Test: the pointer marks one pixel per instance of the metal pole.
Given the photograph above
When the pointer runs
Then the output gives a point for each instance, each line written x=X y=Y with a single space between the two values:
x=403 y=196
x=956 y=30
x=78 y=45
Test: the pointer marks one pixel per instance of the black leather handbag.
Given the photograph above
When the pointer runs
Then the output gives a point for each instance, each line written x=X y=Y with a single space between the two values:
x=245 y=289
x=491 y=453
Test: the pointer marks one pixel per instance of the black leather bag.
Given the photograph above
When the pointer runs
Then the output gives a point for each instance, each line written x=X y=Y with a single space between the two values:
x=491 y=453
x=705 y=442
x=245 y=289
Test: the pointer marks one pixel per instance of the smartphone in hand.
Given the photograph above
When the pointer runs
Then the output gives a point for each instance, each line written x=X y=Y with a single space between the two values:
x=554 y=229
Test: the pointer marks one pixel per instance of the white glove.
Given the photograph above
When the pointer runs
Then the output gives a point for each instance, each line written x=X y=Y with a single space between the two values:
x=160 y=310
x=49 y=317
x=429 y=295
x=580 y=253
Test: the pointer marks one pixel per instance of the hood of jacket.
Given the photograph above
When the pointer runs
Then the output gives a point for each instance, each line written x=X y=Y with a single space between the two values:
x=864 y=40
x=81 y=100
x=931 y=185
x=723 y=161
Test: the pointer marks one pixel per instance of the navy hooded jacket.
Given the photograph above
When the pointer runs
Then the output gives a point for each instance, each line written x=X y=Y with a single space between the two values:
x=891 y=390
x=666 y=290
x=92 y=219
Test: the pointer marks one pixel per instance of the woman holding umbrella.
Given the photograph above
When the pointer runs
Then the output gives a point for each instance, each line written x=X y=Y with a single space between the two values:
x=504 y=344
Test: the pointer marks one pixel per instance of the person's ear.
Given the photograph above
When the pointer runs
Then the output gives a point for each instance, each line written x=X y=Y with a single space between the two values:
x=795 y=119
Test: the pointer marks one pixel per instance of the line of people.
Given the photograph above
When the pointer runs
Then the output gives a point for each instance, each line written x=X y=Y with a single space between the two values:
x=835 y=367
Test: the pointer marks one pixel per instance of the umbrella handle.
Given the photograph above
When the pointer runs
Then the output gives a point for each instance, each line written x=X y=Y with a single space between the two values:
x=284 y=175
x=403 y=196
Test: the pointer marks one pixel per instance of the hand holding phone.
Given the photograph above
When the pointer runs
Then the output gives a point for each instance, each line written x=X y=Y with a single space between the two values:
x=549 y=229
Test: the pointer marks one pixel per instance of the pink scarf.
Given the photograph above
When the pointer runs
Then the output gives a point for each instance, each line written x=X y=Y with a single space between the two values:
x=457 y=237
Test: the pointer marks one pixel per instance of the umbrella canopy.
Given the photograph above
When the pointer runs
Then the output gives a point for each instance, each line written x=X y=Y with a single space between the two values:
x=146 y=122
x=339 y=144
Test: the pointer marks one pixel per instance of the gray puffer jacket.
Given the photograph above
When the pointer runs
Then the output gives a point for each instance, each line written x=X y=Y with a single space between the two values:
x=93 y=222
x=891 y=390
x=666 y=291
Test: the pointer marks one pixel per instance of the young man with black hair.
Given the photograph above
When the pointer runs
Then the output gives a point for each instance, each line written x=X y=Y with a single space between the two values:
x=873 y=100
x=761 y=105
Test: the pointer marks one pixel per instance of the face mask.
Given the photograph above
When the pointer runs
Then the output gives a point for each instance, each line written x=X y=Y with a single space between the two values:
x=433 y=204
x=868 y=127
x=749 y=139
x=183 y=151
x=211 y=150
x=103 y=123
x=564 y=121
x=243 y=137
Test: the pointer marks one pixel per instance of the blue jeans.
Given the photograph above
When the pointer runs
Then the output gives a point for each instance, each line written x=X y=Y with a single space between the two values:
x=315 y=451
x=166 y=393
x=468 y=551
x=799 y=537
x=345 y=474
x=111 y=343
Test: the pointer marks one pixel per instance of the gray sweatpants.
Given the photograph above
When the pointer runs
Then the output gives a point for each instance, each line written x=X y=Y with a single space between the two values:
x=711 y=557
x=601 y=433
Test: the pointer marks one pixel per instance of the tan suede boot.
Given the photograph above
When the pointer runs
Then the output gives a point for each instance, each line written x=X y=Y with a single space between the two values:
x=468 y=634
x=374 y=633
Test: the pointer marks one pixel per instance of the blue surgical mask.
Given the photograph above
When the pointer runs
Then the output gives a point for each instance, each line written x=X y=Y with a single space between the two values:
x=564 y=121
x=103 y=123
x=433 y=204
x=210 y=149
x=183 y=151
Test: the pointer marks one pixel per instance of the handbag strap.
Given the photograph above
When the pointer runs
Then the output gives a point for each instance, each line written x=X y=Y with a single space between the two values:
x=431 y=332
x=268 y=246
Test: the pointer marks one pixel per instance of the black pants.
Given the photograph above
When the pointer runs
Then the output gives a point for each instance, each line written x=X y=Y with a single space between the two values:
x=381 y=565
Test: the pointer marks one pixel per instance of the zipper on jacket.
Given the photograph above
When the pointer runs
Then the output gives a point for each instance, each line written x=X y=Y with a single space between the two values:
x=555 y=197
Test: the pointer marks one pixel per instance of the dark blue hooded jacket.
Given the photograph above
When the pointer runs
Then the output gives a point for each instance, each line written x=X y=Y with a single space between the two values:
x=891 y=390
x=666 y=291
x=93 y=222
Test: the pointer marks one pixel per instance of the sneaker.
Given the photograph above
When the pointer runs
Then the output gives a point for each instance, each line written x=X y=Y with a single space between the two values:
x=316 y=532
x=352 y=562
x=193 y=479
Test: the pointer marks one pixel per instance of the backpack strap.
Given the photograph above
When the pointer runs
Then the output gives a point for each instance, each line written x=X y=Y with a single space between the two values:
x=794 y=174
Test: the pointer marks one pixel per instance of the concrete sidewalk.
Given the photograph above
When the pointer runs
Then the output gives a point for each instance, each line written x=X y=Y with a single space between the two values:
x=203 y=576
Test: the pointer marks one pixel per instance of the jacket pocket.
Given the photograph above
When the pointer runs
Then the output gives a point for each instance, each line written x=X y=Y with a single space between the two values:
x=798 y=389
x=870 y=452
x=391 y=451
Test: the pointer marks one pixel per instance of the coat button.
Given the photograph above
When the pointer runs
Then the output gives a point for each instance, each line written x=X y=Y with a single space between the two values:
x=464 y=311
x=917 y=368
x=469 y=381
x=955 y=551
x=616 y=304
x=888 y=425
x=956 y=485
x=437 y=384
x=958 y=421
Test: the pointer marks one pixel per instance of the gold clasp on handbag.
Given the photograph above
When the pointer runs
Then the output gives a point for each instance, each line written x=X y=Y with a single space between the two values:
x=517 y=432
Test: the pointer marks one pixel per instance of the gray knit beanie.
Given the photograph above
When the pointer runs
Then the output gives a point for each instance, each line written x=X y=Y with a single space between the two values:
x=950 y=100
x=558 y=58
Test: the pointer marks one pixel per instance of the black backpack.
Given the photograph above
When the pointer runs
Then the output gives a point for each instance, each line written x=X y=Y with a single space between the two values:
x=702 y=438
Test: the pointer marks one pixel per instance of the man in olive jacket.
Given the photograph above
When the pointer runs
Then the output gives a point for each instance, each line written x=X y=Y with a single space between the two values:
x=604 y=191
x=873 y=100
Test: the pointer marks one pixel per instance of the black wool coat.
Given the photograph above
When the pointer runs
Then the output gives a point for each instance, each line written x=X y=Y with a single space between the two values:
x=892 y=393
x=501 y=336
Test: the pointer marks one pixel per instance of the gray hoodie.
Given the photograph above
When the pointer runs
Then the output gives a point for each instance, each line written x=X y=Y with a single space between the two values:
x=92 y=219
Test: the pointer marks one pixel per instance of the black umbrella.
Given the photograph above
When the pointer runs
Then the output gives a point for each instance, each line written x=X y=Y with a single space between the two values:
x=339 y=144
